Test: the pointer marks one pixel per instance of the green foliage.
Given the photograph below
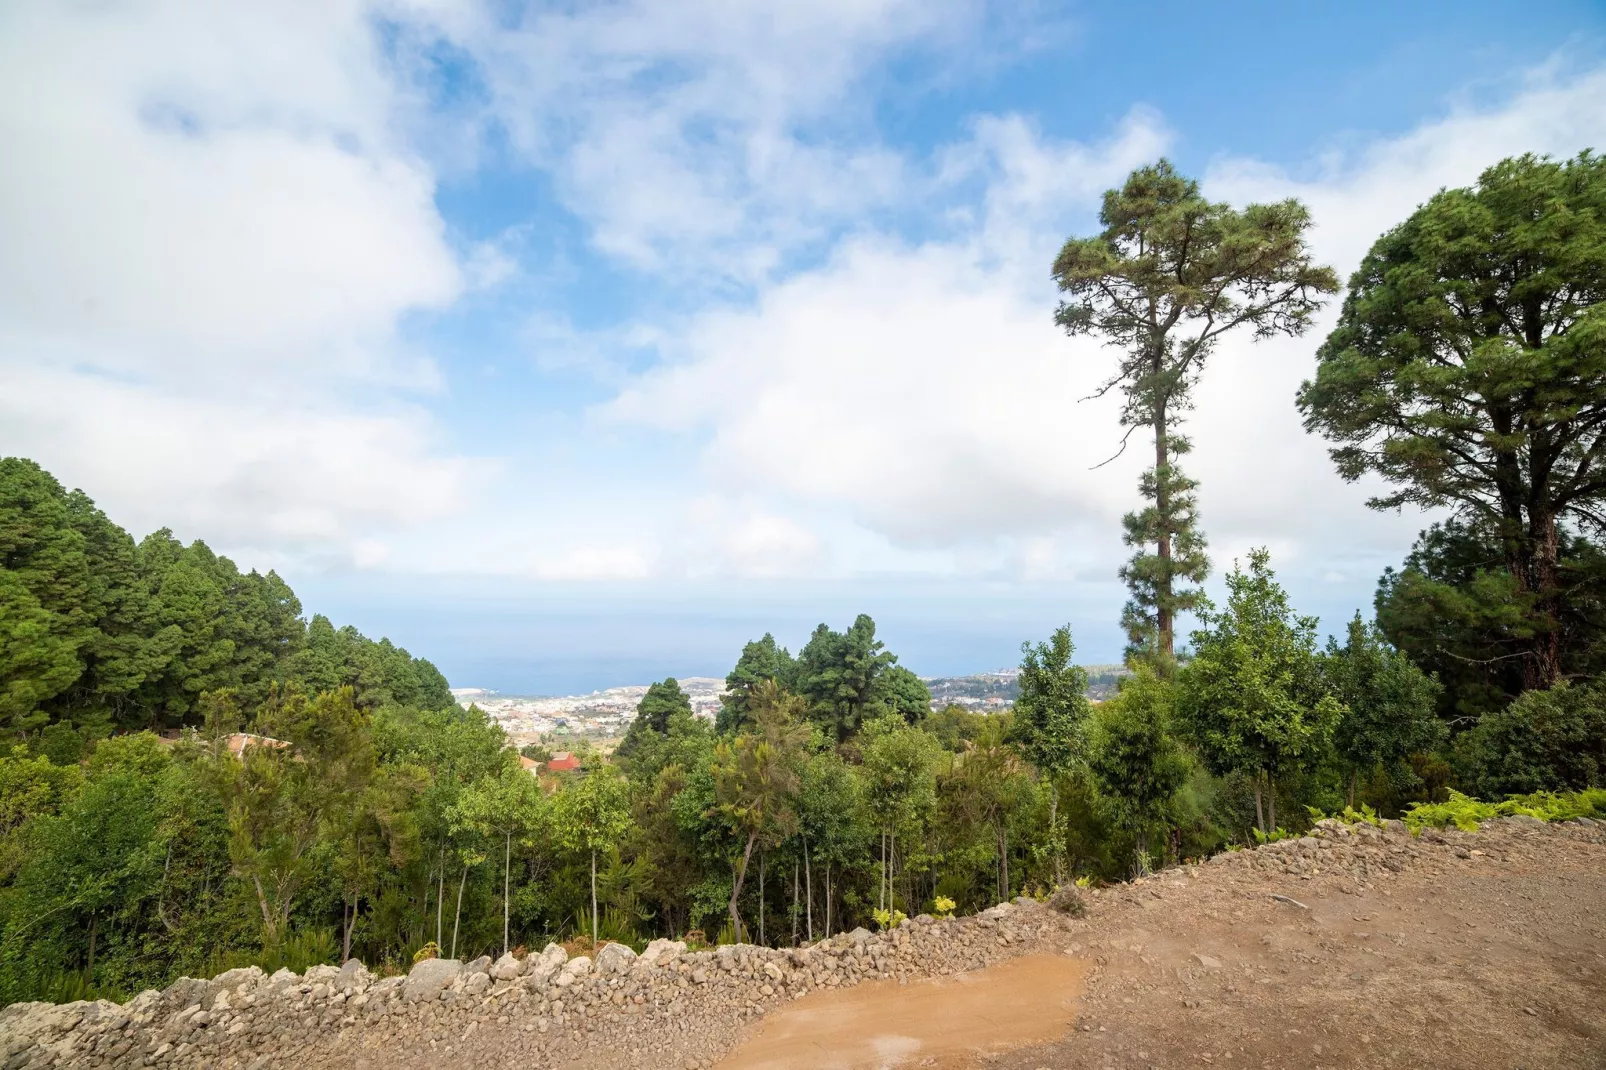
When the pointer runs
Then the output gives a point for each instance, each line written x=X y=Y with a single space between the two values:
x=1051 y=713
x=1388 y=703
x=838 y=674
x=1137 y=760
x=1274 y=835
x=888 y=919
x=1465 y=812
x=761 y=660
x=1458 y=611
x=1551 y=740
x=1253 y=698
x=1467 y=369
x=662 y=702
x=1168 y=276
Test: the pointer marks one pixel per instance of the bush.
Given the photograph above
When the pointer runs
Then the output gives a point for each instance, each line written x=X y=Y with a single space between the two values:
x=1465 y=812
x=1551 y=740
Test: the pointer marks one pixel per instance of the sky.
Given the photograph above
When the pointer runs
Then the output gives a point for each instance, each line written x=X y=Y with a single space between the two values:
x=574 y=345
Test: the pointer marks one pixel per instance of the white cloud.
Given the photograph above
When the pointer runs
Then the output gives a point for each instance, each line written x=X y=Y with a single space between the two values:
x=723 y=538
x=925 y=388
x=281 y=479
x=212 y=225
x=706 y=139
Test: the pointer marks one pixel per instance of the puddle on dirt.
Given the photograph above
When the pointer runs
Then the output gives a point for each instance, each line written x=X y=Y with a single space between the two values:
x=943 y=1022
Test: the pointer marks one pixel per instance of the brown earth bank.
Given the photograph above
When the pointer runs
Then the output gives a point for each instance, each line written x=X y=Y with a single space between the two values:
x=1352 y=947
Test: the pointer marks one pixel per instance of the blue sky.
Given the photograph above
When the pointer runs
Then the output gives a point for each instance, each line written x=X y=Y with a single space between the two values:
x=573 y=345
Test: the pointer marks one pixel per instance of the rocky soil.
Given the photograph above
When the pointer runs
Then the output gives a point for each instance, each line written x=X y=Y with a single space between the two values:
x=1354 y=946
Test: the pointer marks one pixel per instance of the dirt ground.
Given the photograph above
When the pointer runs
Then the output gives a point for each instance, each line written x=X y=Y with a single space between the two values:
x=1461 y=960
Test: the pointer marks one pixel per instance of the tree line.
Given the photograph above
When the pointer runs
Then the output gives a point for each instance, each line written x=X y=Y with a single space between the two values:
x=375 y=817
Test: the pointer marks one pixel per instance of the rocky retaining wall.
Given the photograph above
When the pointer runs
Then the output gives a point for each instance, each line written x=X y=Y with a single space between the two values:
x=667 y=1006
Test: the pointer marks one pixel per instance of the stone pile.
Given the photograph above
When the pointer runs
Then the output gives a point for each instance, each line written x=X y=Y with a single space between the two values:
x=665 y=1007
x=662 y=1001
x=1364 y=851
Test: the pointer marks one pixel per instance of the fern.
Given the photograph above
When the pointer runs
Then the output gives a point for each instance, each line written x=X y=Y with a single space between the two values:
x=1466 y=813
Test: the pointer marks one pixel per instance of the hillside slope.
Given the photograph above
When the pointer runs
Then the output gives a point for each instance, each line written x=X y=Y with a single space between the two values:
x=1455 y=950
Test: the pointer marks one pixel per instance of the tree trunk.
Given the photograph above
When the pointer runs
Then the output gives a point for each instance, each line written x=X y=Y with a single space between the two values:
x=1053 y=832
x=270 y=933
x=1260 y=809
x=827 y=898
x=1271 y=802
x=94 y=930
x=1164 y=624
x=761 y=940
x=1354 y=775
x=440 y=896
x=457 y=918
x=507 y=859
x=1534 y=564
x=736 y=887
x=808 y=890
x=348 y=918
x=595 y=926
x=796 y=867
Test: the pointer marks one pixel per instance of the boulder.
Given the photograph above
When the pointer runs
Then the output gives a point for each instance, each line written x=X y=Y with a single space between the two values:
x=575 y=969
x=321 y=974
x=479 y=965
x=661 y=952
x=861 y=936
x=615 y=958
x=476 y=983
x=429 y=978
x=353 y=977
x=507 y=968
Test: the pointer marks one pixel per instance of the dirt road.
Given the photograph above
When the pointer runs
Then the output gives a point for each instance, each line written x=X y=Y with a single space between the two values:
x=1462 y=951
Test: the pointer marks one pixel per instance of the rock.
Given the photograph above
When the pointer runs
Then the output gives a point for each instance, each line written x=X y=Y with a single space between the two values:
x=859 y=937
x=353 y=976
x=476 y=983
x=429 y=978
x=615 y=958
x=507 y=968
x=774 y=972
x=661 y=952
x=284 y=977
x=575 y=969
x=479 y=965
x=321 y=975
x=1206 y=961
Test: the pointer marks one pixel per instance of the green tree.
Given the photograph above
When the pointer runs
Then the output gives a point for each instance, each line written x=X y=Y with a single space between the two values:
x=1135 y=758
x=838 y=673
x=1459 y=613
x=900 y=691
x=1468 y=368
x=763 y=659
x=507 y=808
x=661 y=702
x=756 y=779
x=899 y=775
x=1049 y=721
x=1389 y=704
x=833 y=825
x=1168 y=276
x=1553 y=740
x=592 y=814
x=1253 y=696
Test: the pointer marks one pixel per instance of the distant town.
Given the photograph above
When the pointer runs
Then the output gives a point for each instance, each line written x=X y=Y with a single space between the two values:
x=603 y=715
